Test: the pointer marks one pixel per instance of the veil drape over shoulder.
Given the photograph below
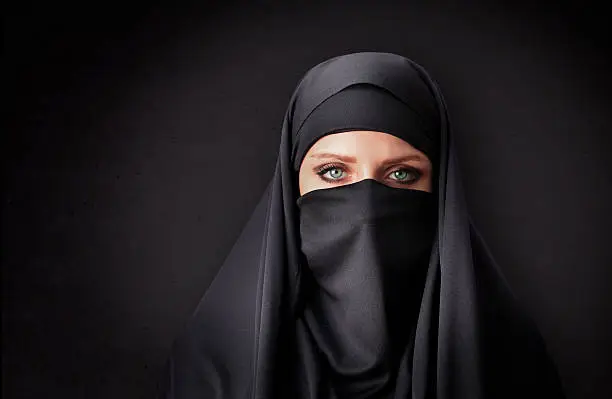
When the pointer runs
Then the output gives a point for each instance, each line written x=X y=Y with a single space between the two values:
x=471 y=339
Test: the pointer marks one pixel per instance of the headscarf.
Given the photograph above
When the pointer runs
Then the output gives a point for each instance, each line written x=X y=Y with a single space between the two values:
x=454 y=330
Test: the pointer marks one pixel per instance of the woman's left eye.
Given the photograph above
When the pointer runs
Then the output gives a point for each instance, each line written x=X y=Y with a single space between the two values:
x=405 y=175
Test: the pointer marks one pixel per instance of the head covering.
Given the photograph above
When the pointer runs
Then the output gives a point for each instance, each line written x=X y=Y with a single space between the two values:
x=260 y=331
x=365 y=106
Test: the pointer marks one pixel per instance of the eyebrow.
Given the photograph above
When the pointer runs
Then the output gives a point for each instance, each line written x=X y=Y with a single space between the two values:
x=350 y=159
x=343 y=158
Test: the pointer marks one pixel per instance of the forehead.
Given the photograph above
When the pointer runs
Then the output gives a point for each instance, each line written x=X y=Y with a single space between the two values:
x=362 y=143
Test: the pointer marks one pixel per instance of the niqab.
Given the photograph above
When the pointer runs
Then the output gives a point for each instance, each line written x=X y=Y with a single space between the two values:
x=288 y=316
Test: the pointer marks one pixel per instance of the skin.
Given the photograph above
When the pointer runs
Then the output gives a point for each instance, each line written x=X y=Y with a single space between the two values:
x=348 y=157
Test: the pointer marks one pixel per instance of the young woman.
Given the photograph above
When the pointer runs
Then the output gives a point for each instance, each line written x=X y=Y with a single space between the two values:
x=360 y=273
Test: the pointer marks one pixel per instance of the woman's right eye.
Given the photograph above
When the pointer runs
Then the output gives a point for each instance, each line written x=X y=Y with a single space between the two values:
x=332 y=173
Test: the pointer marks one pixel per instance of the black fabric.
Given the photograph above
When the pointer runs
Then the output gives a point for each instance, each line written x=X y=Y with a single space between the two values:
x=368 y=247
x=367 y=107
x=251 y=337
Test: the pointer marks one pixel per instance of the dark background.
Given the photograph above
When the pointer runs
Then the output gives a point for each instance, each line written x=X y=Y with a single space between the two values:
x=139 y=139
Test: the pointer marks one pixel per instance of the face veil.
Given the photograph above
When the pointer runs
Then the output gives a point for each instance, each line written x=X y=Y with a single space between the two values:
x=254 y=333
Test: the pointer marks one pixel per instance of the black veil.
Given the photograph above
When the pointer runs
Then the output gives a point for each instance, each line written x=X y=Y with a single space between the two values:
x=471 y=341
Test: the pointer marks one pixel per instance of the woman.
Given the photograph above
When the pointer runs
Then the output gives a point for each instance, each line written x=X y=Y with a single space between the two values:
x=360 y=274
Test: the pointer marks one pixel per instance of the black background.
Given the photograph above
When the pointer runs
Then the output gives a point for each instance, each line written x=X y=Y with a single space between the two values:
x=139 y=139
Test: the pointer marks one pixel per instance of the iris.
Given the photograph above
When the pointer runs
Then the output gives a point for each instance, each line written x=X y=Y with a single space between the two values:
x=335 y=173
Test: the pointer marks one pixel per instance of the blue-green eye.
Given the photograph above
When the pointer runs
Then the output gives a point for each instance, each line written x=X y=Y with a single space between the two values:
x=334 y=173
x=404 y=175
x=331 y=172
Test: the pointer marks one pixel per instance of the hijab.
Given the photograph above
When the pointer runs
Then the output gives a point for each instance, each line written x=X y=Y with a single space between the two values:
x=361 y=290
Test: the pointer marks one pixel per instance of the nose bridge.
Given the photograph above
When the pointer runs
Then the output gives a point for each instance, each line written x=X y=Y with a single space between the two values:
x=367 y=161
x=367 y=170
x=367 y=151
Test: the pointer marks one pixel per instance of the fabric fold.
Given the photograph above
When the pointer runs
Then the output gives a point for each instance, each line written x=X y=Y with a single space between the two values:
x=467 y=337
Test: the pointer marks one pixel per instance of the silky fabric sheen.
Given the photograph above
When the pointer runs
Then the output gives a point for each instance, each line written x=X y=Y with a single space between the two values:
x=368 y=107
x=368 y=247
x=248 y=338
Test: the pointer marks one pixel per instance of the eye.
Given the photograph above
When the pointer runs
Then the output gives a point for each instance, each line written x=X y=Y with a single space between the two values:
x=405 y=175
x=331 y=173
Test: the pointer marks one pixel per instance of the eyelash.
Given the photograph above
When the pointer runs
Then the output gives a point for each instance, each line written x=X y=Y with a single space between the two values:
x=323 y=169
